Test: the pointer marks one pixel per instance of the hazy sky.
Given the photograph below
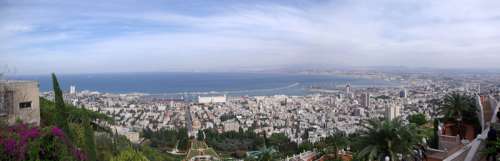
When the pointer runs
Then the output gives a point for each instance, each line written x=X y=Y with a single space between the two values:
x=64 y=36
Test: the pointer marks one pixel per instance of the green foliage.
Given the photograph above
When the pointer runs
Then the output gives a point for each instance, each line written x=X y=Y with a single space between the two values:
x=22 y=142
x=419 y=119
x=105 y=147
x=80 y=124
x=492 y=148
x=78 y=134
x=281 y=142
x=200 y=148
x=384 y=97
x=306 y=146
x=61 y=114
x=76 y=115
x=456 y=105
x=332 y=144
x=129 y=155
x=230 y=142
x=90 y=148
x=183 y=144
x=200 y=136
x=387 y=138
x=434 y=143
x=264 y=154
x=155 y=155
x=167 y=139
x=110 y=145
x=459 y=108
x=83 y=130
x=3 y=124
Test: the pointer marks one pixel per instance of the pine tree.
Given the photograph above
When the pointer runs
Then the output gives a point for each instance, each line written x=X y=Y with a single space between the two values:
x=61 y=111
x=434 y=143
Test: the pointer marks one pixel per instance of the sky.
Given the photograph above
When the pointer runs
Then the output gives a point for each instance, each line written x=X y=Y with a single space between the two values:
x=93 y=36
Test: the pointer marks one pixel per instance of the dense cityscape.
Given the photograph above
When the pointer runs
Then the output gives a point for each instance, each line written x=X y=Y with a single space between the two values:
x=322 y=112
x=249 y=80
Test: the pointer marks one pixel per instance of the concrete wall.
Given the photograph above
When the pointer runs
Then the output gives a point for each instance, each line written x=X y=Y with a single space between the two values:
x=22 y=91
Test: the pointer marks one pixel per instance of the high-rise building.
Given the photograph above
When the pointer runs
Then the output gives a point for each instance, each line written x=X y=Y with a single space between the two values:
x=72 y=90
x=348 y=88
x=403 y=93
x=392 y=111
x=365 y=99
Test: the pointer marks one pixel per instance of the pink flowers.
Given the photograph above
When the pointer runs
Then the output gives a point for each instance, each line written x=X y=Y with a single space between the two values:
x=79 y=154
x=57 y=132
x=29 y=134
x=9 y=146
x=17 y=140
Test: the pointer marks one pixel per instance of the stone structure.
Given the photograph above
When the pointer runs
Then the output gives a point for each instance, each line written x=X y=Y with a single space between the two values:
x=19 y=100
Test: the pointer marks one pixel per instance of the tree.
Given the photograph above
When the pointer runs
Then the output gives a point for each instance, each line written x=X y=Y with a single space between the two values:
x=283 y=144
x=183 y=139
x=392 y=138
x=183 y=144
x=334 y=143
x=48 y=115
x=61 y=111
x=455 y=106
x=200 y=136
x=418 y=119
x=129 y=155
x=434 y=143
x=306 y=146
x=90 y=147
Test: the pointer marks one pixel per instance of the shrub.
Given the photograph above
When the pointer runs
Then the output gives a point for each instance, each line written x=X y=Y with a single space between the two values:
x=22 y=142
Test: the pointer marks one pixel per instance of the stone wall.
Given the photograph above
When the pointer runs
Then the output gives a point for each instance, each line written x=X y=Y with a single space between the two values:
x=21 y=101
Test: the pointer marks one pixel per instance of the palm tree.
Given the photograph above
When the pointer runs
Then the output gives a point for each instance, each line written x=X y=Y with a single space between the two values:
x=388 y=138
x=455 y=105
x=333 y=144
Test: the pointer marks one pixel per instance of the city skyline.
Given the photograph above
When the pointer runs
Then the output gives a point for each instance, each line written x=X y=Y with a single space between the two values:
x=131 y=36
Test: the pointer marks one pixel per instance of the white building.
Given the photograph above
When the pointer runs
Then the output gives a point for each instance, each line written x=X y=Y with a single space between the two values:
x=231 y=125
x=348 y=88
x=212 y=99
x=72 y=90
x=359 y=112
x=392 y=111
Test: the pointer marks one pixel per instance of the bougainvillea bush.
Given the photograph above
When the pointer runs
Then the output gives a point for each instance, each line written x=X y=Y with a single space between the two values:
x=23 y=142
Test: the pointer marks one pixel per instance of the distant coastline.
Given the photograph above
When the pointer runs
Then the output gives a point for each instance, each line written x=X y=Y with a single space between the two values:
x=171 y=84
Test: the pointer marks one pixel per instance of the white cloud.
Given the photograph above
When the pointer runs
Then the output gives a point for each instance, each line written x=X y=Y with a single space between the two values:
x=360 y=33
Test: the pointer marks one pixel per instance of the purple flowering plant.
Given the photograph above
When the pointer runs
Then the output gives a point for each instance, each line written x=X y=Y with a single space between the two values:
x=20 y=141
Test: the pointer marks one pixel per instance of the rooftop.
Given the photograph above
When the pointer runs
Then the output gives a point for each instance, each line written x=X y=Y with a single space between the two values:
x=17 y=81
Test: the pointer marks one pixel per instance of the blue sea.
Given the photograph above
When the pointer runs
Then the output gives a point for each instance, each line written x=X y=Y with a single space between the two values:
x=171 y=84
